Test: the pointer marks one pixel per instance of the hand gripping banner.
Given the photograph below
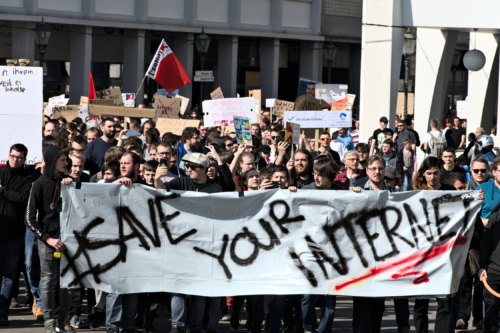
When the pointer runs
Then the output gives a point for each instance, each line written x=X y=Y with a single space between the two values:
x=137 y=239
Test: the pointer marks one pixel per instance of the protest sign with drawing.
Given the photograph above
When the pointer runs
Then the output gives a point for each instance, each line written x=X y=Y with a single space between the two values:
x=243 y=133
x=128 y=100
x=372 y=244
x=167 y=107
x=319 y=119
x=223 y=110
x=217 y=94
x=292 y=133
x=113 y=94
x=334 y=94
x=21 y=119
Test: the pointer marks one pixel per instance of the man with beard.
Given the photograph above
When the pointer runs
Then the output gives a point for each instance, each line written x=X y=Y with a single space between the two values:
x=300 y=168
x=191 y=144
x=97 y=148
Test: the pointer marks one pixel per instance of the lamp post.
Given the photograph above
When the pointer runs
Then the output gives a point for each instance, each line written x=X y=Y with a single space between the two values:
x=454 y=66
x=202 y=42
x=42 y=39
x=329 y=53
x=409 y=48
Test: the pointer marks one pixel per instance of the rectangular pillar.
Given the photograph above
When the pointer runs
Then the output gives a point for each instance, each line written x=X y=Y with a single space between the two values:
x=133 y=63
x=227 y=74
x=23 y=41
x=81 y=62
x=311 y=60
x=269 y=67
x=184 y=48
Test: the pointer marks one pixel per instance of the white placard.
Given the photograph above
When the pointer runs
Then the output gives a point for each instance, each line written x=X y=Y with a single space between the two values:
x=223 y=110
x=270 y=102
x=320 y=119
x=55 y=101
x=21 y=98
x=137 y=239
x=462 y=110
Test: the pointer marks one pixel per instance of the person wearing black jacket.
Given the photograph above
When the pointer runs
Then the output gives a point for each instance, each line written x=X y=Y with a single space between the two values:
x=42 y=216
x=15 y=183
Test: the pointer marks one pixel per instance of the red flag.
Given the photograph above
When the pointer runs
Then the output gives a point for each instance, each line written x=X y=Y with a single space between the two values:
x=91 y=88
x=167 y=70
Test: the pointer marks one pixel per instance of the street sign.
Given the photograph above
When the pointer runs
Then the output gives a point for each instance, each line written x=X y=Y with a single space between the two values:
x=204 y=73
x=203 y=79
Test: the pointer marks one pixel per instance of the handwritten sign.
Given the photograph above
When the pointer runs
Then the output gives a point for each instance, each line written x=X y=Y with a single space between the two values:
x=167 y=107
x=55 y=101
x=281 y=106
x=122 y=239
x=223 y=110
x=217 y=94
x=113 y=94
x=21 y=99
x=243 y=133
x=175 y=126
x=320 y=119
x=68 y=112
x=120 y=111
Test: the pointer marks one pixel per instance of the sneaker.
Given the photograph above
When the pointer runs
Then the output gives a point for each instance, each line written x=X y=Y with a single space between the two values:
x=14 y=303
x=68 y=328
x=177 y=329
x=461 y=325
x=38 y=313
x=50 y=325
x=33 y=308
x=77 y=322
x=97 y=318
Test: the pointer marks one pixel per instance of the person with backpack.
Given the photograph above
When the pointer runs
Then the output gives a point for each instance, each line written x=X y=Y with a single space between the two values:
x=434 y=141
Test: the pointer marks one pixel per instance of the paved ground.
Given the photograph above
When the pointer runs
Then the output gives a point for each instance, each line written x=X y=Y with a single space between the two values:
x=22 y=320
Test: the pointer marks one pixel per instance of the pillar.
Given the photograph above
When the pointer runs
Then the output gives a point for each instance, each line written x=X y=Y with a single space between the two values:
x=311 y=60
x=81 y=62
x=227 y=71
x=435 y=49
x=269 y=67
x=381 y=53
x=482 y=88
x=184 y=48
x=23 y=41
x=133 y=63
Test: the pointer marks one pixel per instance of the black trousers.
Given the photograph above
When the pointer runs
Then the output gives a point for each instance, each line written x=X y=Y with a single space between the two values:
x=444 y=315
x=367 y=314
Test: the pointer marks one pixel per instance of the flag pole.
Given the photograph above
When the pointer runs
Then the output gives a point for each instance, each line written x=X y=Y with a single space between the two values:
x=140 y=86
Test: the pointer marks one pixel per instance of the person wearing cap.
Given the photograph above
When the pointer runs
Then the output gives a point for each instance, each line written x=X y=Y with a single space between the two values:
x=190 y=144
x=337 y=144
x=379 y=133
x=402 y=134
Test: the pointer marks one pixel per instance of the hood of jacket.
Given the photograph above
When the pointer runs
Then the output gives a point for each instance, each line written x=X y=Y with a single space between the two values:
x=50 y=156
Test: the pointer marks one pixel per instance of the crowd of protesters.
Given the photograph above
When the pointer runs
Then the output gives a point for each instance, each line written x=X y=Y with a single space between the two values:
x=210 y=160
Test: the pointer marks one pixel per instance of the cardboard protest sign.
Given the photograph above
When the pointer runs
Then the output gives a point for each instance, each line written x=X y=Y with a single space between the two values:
x=175 y=126
x=128 y=100
x=68 y=112
x=217 y=94
x=350 y=101
x=281 y=106
x=243 y=133
x=21 y=120
x=307 y=102
x=256 y=93
x=114 y=94
x=60 y=100
x=373 y=243
x=121 y=111
x=106 y=102
x=223 y=110
x=334 y=94
x=319 y=119
x=84 y=100
x=400 y=104
x=292 y=133
x=167 y=107
x=184 y=104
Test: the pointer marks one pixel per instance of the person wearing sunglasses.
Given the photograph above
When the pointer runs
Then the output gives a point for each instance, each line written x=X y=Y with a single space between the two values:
x=324 y=146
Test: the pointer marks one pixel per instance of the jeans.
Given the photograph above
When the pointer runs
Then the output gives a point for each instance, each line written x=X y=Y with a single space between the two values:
x=120 y=312
x=178 y=309
x=326 y=315
x=197 y=309
x=32 y=262
x=10 y=254
x=50 y=272
x=407 y=185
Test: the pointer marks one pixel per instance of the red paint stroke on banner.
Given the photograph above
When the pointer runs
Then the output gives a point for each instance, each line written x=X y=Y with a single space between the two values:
x=415 y=259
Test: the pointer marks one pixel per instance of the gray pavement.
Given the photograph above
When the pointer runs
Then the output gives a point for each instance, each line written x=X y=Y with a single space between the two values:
x=23 y=321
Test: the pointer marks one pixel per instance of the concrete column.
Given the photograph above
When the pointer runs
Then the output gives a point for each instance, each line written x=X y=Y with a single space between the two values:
x=435 y=49
x=483 y=84
x=23 y=41
x=311 y=60
x=184 y=48
x=269 y=67
x=354 y=70
x=227 y=71
x=380 y=63
x=133 y=63
x=81 y=62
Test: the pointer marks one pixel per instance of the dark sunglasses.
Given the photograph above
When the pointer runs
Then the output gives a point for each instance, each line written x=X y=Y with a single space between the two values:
x=192 y=166
x=274 y=137
x=479 y=170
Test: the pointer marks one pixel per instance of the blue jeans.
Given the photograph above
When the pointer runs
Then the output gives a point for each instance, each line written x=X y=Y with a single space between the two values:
x=326 y=316
x=197 y=309
x=407 y=185
x=178 y=309
x=120 y=312
x=10 y=254
x=32 y=262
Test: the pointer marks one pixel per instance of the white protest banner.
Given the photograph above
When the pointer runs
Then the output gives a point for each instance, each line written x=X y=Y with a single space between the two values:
x=136 y=239
x=54 y=102
x=21 y=117
x=320 y=119
x=462 y=110
x=242 y=129
x=223 y=110
x=292 y=133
